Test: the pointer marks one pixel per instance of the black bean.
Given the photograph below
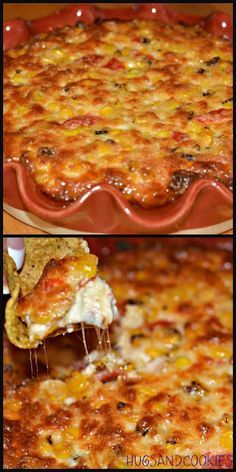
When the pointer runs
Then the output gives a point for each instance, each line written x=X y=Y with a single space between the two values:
x=121 y=405
x=189 y=115
x=49 y=439
x=131 y=301
x=117 y=85
x=208 y=93
x=172 y=441
x=145 y=40
x=46 y=151
x=180 y=181
x=136 y=336
x=101 y=131
x=117 y=449
x=228 y=100
x=213 y=61
x=187 y=156
x=195 y=388
x=201 y=71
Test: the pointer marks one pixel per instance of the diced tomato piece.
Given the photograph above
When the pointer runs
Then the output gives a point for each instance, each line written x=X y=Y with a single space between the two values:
x=161 y=323
x=83 y=120
x=114 y=64
x=106 y=376
x=220 y=24
x=215 y=116
x=15 y=32
x=91 y=58
x=178 y=136
x=68 y=16
x=51 y=283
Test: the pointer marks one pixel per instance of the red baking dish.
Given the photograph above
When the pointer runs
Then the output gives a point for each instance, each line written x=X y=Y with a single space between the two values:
x=103 y=209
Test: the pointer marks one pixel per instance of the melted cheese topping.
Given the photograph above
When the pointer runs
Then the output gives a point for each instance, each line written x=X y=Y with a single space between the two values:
x=68 y=293
x=141 y=105
x=164 y=389
x=94 y=305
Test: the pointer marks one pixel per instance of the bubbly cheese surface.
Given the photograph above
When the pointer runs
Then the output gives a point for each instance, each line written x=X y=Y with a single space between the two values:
x=141 y=105
x=163 y=390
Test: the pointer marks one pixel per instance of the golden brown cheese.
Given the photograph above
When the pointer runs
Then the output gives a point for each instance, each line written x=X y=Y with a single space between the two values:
x=141 y=105
x=164 y=389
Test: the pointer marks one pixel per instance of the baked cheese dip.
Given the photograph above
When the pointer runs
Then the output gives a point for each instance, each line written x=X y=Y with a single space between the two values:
x=142 y=105
x=164 y=389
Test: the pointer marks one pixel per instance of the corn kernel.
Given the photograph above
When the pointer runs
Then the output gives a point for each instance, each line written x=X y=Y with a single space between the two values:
x=51 y=106
x=107 y=111
x=147 y=390
x=133 y=74
x=163 y=133
x=11 y=409
x=72 y=431
x=62 y=451
x=57 y=52
x=72 y=132
x=173 y=104
x=195 y=129
x=104 y=148
x=77 y=384
x=228 y=105
x=46 y=60
x=21 y=110
x=108 y=49
x=125 y=52
x=53 y=390
x=38 y=317
x=182 y=362
x=66 y=113
x=87 y=264
x=115 y=132
x=46 y=448
x=38 y=96
x=226 y=441
x=218 y=352
x=154 y=352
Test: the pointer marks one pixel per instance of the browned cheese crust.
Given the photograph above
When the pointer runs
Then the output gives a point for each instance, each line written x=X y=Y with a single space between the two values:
x=164 y=388
x=141 y=105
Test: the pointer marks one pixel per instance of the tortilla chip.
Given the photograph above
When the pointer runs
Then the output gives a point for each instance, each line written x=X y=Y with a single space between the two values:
x=38 y=253
x=16 y=330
